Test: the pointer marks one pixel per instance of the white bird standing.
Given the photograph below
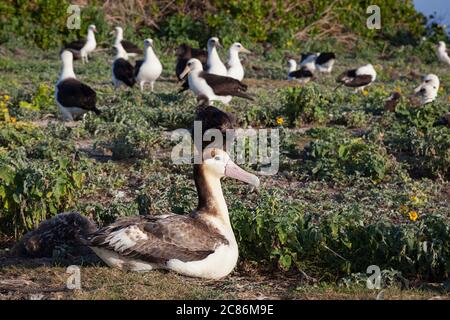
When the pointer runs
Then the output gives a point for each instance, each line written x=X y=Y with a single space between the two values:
x=86 y=46
x=235 y=68
x=215 y=65
x=149 y=69
x=73 y=97
x=443 y=53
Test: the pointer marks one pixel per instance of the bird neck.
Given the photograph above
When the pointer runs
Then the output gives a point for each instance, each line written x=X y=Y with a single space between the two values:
x=292 y=67
x=119 y=36
x=121 y=53
x=67 y=70
x=213 y=55
x=210 y=196
x=233 y=58
x=90 y=36
x=149 y=53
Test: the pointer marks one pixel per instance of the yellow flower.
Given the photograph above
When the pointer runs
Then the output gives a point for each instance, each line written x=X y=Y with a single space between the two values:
x=414 y=199
x=448 y=98
x=403 y=209
x=365 y=92
x=398 y=89
x=6 y=97
x=413 y=215
x=441 y=88
x=280 y=121
x=13 y=119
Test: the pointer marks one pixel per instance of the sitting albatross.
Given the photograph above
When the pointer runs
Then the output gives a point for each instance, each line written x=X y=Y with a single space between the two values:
x=302 y=75
x=201 y=244
x=149 y=69
x=85 y=46
x=235 y=68
x=73 y=97
x=325 y=62
x=429 y=79
x=122 y=70
x=357 y=78
x=130 y=48
x=215 y=65
x=214 y=87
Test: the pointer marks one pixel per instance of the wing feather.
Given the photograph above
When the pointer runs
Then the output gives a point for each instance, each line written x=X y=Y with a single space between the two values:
x=73 y=93
x=225 y=86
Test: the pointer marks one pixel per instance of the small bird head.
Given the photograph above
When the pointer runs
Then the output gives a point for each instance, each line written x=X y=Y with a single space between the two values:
x=239 y=48
x=192 y=65
x=92 y=28
x=214 y=43
x=148 y=43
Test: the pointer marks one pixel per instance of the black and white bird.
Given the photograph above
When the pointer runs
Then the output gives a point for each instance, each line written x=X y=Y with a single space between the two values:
x=235 y=68
x=358 y=78
x=308 y=60
x=443 y=53
x=149 y=69
x=73 y=97
x=302 y=75
x=214 y=87
x=130 y=48
x=84 y=46
x=122 y=70
x=215 y=65
x=325 y=62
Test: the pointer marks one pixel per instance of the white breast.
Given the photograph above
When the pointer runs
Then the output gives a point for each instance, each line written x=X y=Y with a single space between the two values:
x=150 y=70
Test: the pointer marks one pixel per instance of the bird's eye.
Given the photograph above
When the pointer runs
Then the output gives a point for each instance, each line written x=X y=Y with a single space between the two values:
x=217 y=158
x=427 y=81
x=189 y=64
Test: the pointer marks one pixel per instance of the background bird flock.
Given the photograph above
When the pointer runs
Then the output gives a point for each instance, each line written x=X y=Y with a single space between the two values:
x=364 y=155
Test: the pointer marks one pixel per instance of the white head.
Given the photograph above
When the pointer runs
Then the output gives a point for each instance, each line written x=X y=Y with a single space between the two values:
x=148 y=43
x=427 y=93
x=237 y=47
x=192 y=65
x=92 y=28
x=213 y=43
x=442 y=44
x=429 y=79
x=217 y=163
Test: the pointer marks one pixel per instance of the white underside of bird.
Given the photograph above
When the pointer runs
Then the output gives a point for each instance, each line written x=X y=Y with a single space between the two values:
x=150 y=70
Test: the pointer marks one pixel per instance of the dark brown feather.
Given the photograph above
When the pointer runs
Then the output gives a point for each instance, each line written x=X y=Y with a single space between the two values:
x=225 y=86
x=130 y=47
x=124 y=71
x=73 y=93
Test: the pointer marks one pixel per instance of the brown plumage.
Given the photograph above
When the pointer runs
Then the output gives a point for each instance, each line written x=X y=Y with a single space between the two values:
x=350 y=79
x=184 y=53
x=167 y=237
x=392 y=102
x=66 y=229
x=444 y=121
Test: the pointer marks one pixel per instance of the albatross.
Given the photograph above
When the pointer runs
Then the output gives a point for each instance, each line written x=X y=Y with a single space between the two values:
x=215 y=65
x=429 y=79
x=302 y=75
x=130 y=48
x=84 y=46
x=149 y=69
x=358 y=78
x=122 y=70
x=214 y=87
x=73 y=97
x=201 y=244
x=325 y=62
x=184 y=53
x=443 y=53
x=235 y=68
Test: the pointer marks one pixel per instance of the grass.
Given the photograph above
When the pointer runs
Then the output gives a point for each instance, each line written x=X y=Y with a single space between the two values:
x=124 y=158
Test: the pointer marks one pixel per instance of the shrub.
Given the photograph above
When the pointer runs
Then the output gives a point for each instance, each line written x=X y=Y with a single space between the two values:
x=341 y=157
